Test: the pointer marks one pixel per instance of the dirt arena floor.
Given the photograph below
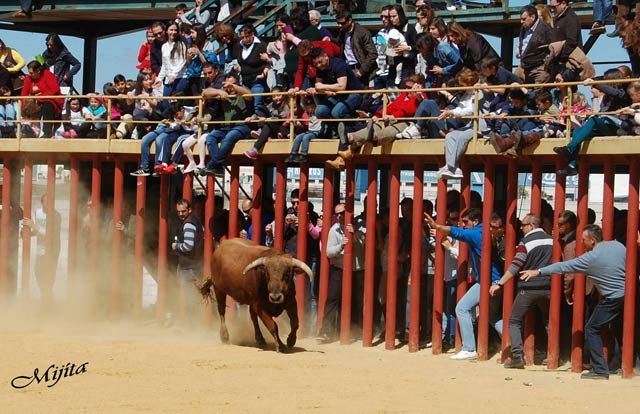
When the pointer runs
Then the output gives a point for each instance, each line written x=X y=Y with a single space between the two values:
x=141 y=367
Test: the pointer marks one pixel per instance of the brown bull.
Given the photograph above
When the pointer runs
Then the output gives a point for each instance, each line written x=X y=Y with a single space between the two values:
x=260 y=277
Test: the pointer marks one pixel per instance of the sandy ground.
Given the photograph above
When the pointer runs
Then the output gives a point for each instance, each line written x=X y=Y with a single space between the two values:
x=140 y=367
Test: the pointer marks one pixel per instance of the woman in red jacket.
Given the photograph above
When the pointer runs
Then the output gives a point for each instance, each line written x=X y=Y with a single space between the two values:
x=41 y=82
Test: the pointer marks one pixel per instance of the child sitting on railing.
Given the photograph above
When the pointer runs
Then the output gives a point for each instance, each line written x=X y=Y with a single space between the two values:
x=314 y=129
x=273 y=124
x=75 y=113
x=8 y=112
x=97 y=112
x=578 y=107
x=30 y=111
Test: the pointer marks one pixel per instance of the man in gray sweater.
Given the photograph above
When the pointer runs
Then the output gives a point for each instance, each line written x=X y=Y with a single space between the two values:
x=604 y=263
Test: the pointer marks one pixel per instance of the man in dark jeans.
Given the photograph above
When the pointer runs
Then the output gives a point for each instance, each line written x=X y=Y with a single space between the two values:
x=605 y=264
x=534 y=251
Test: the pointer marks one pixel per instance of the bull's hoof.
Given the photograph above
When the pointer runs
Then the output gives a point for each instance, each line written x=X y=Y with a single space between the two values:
x=261 y=342
x=280 y=348
x=291 y=341
x=224 y=337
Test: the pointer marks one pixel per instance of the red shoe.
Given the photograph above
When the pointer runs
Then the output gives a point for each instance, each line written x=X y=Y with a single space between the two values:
x=159 y=168
x=171 y=169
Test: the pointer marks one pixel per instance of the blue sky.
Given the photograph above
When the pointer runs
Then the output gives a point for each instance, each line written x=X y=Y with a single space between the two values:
x=118 y=54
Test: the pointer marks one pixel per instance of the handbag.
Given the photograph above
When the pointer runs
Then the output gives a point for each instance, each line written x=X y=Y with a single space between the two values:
x=17 y=78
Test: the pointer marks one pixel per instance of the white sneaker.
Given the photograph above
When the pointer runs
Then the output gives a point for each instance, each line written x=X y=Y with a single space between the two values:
x=462 y=7
x=464 y=355
x=451 y=8
x=441 y=171
x=457 y=175
x=410 y=132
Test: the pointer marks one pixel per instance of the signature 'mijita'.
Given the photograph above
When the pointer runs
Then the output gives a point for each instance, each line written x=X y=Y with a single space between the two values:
x=51 y=376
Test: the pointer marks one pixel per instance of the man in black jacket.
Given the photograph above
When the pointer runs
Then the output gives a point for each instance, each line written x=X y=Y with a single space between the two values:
x=535 y=35
x=357 y=47
x=566 y=27
x=533 y=252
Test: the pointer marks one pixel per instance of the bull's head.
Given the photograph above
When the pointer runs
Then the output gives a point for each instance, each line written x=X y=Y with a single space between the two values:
x=279 y=270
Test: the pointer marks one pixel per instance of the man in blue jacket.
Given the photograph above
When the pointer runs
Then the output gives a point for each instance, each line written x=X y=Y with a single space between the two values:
x=605 y=264
x=471 y=233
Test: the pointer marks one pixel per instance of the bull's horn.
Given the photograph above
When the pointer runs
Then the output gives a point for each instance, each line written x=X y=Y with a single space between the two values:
x=302 y=265
x=258 y=262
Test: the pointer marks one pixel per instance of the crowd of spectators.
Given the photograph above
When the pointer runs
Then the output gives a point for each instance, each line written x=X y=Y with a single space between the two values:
x=201 y=53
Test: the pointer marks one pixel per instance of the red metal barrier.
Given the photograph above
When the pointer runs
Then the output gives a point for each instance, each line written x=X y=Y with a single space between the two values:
x=577 y=330
x=26 y=235
x=4 y=239
x=485 y=264
x=347 y=260
x=163 y=240
x=556 y=296
x=303 y=219
x=370 y=255
x=509 y=252
x=234 y=194
x=256 y=212
x=280 y=205
x=116 y=271
x=416 y=257
x=141 y=191
x=327 y=221
x=438 y=277
x=392 y=269
x=72 y=256
x=628 y=349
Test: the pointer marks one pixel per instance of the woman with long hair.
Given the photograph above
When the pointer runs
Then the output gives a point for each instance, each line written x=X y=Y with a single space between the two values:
x=64 y=64
x=473 y=47
x=405 y=54
x=200 y=52
x=174 y=63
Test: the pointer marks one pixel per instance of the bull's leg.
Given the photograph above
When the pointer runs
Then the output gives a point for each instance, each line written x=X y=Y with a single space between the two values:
x=292 y=311
x=273 y=328
x=221 y=299
x=259 y=338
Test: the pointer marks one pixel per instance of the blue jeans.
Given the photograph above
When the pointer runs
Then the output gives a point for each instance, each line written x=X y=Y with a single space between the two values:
x=429 y=107
x=158 y=136
x=258 y=87
x=221 y=141
x=465 y=311
x=303 y=139
x=7 y=113
x=596 y=125
x=449 y=313
x=602 y=10
x=606 y=311
x=338 y=107
x=178 y=85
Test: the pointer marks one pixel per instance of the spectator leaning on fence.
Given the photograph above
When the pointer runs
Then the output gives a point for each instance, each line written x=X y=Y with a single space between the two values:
x=605 y=264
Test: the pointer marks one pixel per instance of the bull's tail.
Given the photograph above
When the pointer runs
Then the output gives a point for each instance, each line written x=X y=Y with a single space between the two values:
x=206 y=291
